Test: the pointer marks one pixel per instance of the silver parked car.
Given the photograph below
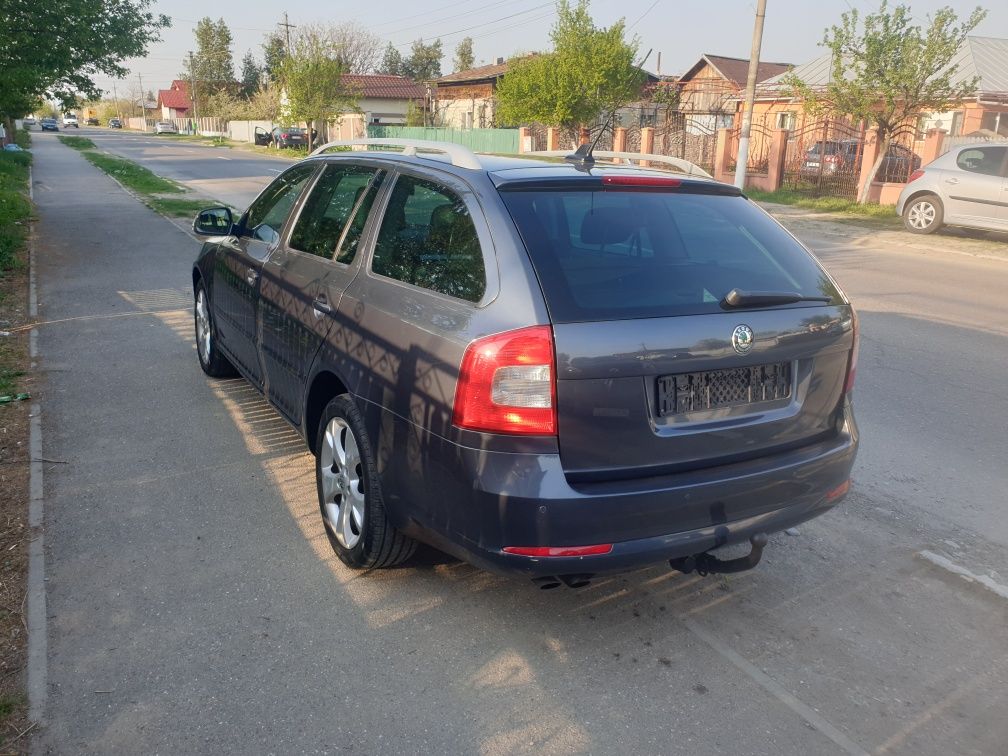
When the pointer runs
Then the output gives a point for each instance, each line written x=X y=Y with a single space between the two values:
x=967 y=186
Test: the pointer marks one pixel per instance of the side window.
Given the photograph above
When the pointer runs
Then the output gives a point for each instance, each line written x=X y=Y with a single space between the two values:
x=351 y=240
x=428 y=239
x=266 y=216
x=986 y=160
x=329 y=207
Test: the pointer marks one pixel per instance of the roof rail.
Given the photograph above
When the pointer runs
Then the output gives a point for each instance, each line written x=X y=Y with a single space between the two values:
x=460 y=155
x=685 y=166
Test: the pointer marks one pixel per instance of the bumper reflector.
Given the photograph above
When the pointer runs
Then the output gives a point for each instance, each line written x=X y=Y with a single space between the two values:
x=839 y=491
x=559 y=551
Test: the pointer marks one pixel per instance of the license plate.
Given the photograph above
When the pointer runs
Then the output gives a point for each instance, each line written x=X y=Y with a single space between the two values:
x=715 y=389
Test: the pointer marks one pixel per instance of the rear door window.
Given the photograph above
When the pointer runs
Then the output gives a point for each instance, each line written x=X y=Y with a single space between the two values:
x=985 y=160
x=604 y=255
x=428 y=239
x=328 y=209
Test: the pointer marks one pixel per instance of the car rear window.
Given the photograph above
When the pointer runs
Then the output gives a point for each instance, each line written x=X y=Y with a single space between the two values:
x=605 y=255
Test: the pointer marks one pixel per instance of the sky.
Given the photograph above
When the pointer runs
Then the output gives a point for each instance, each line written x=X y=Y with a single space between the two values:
x=679 y=30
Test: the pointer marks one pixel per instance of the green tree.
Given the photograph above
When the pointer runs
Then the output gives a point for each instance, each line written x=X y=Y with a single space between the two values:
x=57 y=49
x=391 y=62
x=888 y=71
x=424 y=61
x=212 y=62
x=251 y=75
x=590 y=72
x=464 y=55
x=274 y=52
x=313 y=79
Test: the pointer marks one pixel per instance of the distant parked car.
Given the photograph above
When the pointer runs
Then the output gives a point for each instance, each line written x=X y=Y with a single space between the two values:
x=967 y=186
x=70 y=120
x=28 y=121
x=289 y=137
x=839 y=157
x=49 y=124
x=92 y=121
x=165 y=127
x=114 y=123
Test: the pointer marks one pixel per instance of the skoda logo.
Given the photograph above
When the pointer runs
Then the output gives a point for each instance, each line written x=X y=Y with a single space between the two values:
x=742 y=339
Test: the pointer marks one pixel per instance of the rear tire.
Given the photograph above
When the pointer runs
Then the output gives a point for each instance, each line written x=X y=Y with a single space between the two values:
x=214 y=364
x=923 y=214
x=349 y=492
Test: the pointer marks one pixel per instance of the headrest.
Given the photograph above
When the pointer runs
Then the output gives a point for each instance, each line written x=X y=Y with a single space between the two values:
x=607 y=225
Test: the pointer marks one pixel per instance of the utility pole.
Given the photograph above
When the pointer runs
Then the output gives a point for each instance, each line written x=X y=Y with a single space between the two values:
x=143 y=99
x=192 y=83
x=750 y=96
x=115 y=98
x=287 y=27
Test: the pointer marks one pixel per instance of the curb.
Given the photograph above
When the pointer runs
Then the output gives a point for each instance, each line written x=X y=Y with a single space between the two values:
x=36 y=619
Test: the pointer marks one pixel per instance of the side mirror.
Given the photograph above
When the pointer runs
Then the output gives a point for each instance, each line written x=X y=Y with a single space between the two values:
x=214 y=221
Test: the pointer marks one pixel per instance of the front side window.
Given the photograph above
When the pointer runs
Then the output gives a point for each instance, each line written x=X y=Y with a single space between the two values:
x=329 y=208
x=266 y=216
x=428 y=239
x=985 y=160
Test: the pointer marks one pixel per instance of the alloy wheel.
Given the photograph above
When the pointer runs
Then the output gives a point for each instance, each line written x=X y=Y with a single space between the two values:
x=921 y=215
x=341 y=471
x=202 y=327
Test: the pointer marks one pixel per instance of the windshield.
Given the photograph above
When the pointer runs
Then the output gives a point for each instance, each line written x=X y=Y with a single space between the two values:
x=605 y=255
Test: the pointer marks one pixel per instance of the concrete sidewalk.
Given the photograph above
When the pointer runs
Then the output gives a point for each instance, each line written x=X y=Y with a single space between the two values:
x=195 y=605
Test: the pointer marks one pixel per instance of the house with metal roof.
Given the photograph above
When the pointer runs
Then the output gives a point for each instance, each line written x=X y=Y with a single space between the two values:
x=984 y=113
x=466 y=99
x=174 y=102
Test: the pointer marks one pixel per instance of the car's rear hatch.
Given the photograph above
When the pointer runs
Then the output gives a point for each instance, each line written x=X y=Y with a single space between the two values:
x=657 y=370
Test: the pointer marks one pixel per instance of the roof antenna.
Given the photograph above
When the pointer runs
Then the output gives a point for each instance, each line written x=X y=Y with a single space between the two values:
x=582 y=157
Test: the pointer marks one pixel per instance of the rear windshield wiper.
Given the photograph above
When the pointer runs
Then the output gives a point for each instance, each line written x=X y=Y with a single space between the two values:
x=739 y=298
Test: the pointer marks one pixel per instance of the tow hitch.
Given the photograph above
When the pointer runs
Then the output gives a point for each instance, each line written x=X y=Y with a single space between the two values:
x=706 y=564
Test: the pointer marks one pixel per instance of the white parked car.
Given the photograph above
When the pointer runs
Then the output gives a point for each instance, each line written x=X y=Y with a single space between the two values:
x=70 y=120
x=28 y=120
x=967 y=186
x=165 y=127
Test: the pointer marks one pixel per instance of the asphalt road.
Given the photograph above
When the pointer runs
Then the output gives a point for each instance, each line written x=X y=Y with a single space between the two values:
x=194 y=604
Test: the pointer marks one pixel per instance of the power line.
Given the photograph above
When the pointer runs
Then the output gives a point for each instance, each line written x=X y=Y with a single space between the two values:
x=486 y=23
x=643 y=15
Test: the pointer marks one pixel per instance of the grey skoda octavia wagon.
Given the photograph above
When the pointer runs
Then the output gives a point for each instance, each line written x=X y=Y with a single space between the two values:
x=550 y=368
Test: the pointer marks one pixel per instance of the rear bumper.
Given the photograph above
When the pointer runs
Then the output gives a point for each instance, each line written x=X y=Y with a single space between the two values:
x=478 y=502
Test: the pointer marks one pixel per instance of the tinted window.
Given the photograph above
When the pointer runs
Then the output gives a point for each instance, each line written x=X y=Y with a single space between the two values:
x=428 y=239
x=266 y=216
x=328 y=208
x=986 y=160
x=603 y=255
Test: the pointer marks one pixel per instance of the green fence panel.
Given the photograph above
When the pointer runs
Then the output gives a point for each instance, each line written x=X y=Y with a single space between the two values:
x=504 y=141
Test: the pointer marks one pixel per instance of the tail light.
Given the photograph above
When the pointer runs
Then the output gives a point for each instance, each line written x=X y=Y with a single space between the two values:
x=852 y=362
x=915 y=175
x=833 y=159
x=507 y=384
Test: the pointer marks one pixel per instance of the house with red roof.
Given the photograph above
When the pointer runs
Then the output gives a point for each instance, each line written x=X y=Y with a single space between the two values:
x=175 y=102
x=384 y=99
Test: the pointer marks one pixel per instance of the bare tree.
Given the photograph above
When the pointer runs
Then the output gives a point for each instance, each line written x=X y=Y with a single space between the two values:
x=359 y=50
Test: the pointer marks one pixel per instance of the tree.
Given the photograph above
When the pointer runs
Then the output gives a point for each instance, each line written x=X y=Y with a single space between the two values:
x=313 y=77
x=464 y=55
x=251 y=75
x=888 y=71
x=57 y=49
x=391 y=62
x=274 y=52
x=590 y=71
x=356 y=46
x=212 y=62
x=424 y=61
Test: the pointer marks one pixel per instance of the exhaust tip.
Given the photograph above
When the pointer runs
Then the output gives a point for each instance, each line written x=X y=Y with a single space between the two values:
x=576 y=581
x=546 y=583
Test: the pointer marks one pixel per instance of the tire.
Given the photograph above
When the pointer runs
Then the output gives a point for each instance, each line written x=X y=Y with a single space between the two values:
x=214 y=364
x=923 y=214
x=349 y=493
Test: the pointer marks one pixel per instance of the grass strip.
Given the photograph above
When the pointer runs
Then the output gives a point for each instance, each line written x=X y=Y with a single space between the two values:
x=176 y=207
x=825 y=204
x=15 y=209
x=128 y=173
x=77 y=142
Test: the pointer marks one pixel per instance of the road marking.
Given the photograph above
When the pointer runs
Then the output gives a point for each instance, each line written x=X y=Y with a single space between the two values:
x=273 y=170
x=775 y=689
x=986 y=581
x=221 y=157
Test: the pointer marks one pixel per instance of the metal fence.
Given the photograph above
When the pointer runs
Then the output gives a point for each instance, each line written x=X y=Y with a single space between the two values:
x=823 y=158
x=504 y=141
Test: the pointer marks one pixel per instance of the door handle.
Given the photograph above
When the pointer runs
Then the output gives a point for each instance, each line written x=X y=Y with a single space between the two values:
x=951 y=181
x=251 y=275
x=321 y=306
